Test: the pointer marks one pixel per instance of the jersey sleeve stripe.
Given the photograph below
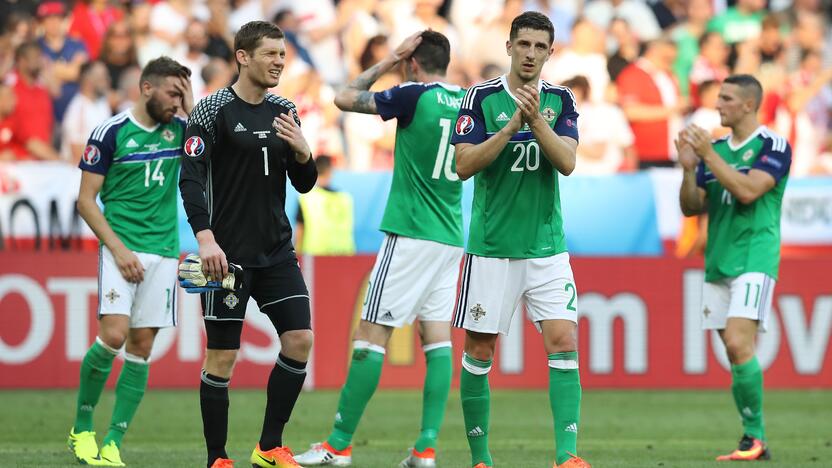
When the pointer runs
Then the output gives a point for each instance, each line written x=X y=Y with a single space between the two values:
x=100 y=131
x=562 y=88
x=468 y=101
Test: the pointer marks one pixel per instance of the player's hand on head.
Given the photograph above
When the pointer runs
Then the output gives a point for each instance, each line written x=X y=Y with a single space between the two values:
x=406 y=48
x=214 y=263
x=183 y=85
x=129 y=265
x=289 y=130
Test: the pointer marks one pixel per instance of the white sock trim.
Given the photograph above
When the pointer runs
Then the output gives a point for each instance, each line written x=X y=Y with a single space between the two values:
x=136 y=359
x=432 y=346
x=563 y=364
x=474 y=369
x=104 y=345
x=361 y=344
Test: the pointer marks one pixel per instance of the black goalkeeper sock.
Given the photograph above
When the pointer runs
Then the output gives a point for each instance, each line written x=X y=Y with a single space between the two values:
x=213 y=400
x=285 y=384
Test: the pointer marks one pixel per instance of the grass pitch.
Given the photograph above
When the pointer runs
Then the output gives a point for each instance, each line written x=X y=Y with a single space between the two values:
x=619 y=428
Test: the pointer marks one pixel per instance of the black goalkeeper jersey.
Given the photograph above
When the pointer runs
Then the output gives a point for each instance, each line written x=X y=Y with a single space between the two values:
x=233 y=178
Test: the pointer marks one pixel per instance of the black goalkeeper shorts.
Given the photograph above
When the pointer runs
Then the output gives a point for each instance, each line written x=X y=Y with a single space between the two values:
x=279 y=291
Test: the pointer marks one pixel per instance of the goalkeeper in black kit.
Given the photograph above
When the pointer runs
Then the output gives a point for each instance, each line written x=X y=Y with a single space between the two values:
x=240 y=144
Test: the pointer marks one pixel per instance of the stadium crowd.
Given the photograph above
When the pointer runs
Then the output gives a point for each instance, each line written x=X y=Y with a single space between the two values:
x=639 y=70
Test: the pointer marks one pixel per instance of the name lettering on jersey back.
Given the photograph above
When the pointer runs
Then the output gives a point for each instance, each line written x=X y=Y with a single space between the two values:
x=446 y=100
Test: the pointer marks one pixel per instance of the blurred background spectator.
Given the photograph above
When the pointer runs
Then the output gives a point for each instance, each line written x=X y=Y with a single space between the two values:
x=647 y=60
x=87 y=109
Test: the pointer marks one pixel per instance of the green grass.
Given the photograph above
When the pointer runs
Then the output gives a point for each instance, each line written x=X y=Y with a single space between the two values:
x=620 y=428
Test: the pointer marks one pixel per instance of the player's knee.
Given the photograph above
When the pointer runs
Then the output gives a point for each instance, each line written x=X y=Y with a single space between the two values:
x=220 y=362
x=480 y=346
x=738 y=348
x=560 y=337
x=297 y=344
x=112 y=337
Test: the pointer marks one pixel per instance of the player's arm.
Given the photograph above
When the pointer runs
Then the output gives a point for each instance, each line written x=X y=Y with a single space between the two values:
x=196 y=153
x=356 y=97
x=94 y=167
x=474 y=150
x=692 y=197
x=746 y=188
x=559 y=150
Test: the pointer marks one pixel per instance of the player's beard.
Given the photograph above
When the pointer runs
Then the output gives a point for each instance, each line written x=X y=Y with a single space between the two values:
x=157 y=111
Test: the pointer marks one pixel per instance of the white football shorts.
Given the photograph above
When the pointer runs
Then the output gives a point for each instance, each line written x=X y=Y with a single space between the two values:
x=412 y=278
x=151 y=303
x=746 y=296
x=493 y=289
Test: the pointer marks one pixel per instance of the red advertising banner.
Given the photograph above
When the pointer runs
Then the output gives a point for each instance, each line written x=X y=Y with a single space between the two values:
x=639 y=328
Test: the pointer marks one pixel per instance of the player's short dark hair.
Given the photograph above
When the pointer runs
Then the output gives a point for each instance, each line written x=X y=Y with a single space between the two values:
x=249 y=36
x=323 y=163
x=532 y=20
x=749 y=85
x=434 y=52
x=163 y=67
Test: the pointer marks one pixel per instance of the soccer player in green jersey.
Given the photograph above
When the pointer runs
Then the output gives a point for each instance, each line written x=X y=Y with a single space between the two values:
x=416 y=271
x=739 y=181
x=132 y=161
x=514 y=134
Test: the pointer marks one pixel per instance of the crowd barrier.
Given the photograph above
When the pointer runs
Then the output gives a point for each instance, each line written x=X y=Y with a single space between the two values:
x=622 y=215
x=639 y=328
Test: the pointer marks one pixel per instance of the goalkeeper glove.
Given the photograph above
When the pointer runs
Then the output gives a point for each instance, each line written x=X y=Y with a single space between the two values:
x=193 y=280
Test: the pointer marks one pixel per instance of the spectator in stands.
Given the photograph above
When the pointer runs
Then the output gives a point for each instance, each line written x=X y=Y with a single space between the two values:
x=606 y=139
x=711 y=63
x=686 y=35
x=90 y=20
x=191 y=53
x=740 y=22
x=627 y=47
x=362 y=25
x=31 y=136
x=216 y=74
x=324 y=221
x=369 y=140
x=809 y=100
x=486 y=45
x=219 y=37
x=635 y=12
x=651 y=101
x=809 y=34
x=118 y=51
x=771 y=44
x=129 y=90
x=668 y=12
x=706 y=116
x=88 y=109
x=8 y=101
x=319 y=29
x=64 y=56
x=168 y=21
x=584 y=56
x=562 y=13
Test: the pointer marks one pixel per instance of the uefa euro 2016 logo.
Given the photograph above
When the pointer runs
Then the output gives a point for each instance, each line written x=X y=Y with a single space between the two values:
x=464 y=125
x=194 y=146
x=91 y=155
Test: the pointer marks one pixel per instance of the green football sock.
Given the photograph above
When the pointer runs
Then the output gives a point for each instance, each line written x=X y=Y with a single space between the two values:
x=747 y=387
x=95 y=369
x=362 y=380
x=129 y=392
x=565 y=399
x=476 y=407
x=435 y=393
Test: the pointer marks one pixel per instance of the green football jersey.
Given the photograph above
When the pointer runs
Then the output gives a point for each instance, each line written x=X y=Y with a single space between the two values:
x=425 y=200
x=516 y=212
x=745 y=238
x=141 y=169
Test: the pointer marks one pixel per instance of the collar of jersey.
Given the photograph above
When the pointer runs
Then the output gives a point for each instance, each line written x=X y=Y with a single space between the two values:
x=139 y=124
x=753 y=135
x=504 y=81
